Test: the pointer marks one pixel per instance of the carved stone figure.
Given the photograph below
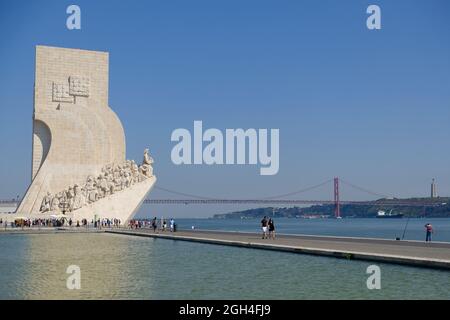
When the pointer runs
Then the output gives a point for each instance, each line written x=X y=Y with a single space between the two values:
x=55 y=203
x=63 y=203
x=100 y=190
x=134 y=171
x=146 y=167
x=91 y=188
x=46 y=203
x=128 y=179
x=70 y=195
x=147 y=158
x=123 y=180
x=110 y=183
x=118 y=183
x=78 y=200
x=146 y=170
x=104 y=185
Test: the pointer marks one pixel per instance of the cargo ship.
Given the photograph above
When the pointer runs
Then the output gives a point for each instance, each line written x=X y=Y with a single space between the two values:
x=383 y=214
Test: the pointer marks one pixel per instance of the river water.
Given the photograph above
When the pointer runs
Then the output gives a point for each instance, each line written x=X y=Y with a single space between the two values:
x=127 y=267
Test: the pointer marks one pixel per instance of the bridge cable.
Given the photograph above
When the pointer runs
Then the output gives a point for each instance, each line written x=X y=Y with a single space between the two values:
x=185 y=194
x=298 y=191
x=365 y=190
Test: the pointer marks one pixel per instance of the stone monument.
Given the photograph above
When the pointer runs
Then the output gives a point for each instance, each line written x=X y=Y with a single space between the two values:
x=78 y=161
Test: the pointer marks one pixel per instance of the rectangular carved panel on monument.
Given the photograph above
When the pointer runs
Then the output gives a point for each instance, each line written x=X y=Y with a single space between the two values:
x=61 y=93
x=79 y=86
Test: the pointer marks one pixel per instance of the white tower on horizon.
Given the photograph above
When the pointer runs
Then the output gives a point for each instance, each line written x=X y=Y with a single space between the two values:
x=433 y=189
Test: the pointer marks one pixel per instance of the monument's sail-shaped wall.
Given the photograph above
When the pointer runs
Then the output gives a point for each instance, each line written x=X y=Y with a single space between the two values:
x=76 y=134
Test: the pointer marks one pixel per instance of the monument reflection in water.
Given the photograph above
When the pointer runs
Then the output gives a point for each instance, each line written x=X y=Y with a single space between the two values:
x=78 y=164
x=107 y=267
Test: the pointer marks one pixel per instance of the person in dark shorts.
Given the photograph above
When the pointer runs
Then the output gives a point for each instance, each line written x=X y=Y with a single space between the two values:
x=271 y=226
x=264 y=226
x=154 y=224
x=429 y=231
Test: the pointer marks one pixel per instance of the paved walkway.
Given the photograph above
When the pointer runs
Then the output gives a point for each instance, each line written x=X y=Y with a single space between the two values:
x=415 y=253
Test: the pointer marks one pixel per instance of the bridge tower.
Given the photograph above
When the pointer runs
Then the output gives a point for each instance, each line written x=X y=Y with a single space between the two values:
x=337 y=209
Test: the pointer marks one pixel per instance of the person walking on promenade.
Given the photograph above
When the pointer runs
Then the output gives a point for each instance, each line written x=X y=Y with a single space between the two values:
x=172 y=224
x=154 y=224
x=264 y=227
x=429 y=231
x=271 y=229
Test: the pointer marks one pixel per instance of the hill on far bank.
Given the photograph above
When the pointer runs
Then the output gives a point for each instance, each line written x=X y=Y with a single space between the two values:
x=440 y=209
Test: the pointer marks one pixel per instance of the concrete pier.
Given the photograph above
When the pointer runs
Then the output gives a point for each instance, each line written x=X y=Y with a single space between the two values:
x=412 y=253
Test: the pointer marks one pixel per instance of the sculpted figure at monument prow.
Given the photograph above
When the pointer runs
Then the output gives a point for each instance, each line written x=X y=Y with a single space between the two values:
x=147 y=164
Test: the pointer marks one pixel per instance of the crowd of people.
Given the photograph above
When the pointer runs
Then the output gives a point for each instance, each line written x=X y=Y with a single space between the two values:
x=155 y=224
x=59 y=222
x=29 y=223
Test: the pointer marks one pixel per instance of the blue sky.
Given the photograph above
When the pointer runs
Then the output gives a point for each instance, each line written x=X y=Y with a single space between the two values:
x=372 y=107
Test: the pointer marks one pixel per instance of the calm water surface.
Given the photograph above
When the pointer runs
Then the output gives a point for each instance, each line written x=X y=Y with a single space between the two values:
x=124 y=267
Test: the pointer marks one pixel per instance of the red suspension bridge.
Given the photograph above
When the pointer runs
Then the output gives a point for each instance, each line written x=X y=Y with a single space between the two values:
x=383 y=200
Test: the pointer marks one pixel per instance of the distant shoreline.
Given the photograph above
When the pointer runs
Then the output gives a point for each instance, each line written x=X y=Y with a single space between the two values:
x=440 y=208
